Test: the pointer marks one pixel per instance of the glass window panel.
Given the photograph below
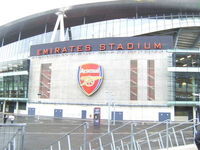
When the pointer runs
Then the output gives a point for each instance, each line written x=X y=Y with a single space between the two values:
x=83 y=31
x=22 y=106
x=102 y=31
x=109 y=31
x=45 y=81
x=96 y=30
x=90 y=31
x=130 y=27
x=116 y=31
x=123 y=27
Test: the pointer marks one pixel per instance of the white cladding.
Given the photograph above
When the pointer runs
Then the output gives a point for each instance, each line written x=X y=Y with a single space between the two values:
x=116 y=83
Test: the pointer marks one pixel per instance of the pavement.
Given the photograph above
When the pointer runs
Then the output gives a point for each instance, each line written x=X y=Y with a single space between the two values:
x=41 y=132
x=187 y=147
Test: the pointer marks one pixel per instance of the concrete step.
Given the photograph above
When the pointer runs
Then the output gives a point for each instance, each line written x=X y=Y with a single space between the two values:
x=185 y=147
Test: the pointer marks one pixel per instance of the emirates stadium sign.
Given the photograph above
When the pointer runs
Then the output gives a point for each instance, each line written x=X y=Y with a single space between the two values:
x=104 y=44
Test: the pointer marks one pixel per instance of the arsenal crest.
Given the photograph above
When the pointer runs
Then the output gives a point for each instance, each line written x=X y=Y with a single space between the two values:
x=90 y=77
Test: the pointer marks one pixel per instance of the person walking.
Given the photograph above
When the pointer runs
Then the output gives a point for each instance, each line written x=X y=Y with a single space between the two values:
x=12 y=118
x=5 y=117
x=197 y=139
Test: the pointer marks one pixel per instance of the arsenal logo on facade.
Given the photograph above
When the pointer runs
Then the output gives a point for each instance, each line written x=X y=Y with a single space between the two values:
x=90 y=77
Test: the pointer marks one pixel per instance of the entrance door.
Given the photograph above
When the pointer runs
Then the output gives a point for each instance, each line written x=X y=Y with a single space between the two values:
x=31 y=111
x=183 y=113
x=164 y=116
x=10 y=106
x=117 y=115
x=83 y=114
x=58 y=113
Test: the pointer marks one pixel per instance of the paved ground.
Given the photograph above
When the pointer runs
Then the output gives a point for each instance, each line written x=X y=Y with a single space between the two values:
x=43 y=131
x=40 y=133
x=188 y=147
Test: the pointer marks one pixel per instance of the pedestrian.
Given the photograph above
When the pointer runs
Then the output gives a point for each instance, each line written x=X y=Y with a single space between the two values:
x=5 y=117
x=12 y=118
x=197 y=139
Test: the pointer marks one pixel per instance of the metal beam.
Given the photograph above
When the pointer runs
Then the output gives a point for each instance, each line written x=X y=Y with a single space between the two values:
x=60 y=21
x=196 y=41
x=177 y=37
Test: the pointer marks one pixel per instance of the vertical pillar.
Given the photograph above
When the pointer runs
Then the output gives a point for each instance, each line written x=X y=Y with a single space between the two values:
x=60 y=21
x=2 y=43
x=194 y=113
x=17 y=107
x=44 y=35
x=4 y=107
x=193 y=99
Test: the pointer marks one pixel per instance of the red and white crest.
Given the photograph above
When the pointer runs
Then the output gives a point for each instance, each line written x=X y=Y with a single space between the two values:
x=90 y=77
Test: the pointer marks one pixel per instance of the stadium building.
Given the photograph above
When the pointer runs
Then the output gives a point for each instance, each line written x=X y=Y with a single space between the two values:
x=139 y=59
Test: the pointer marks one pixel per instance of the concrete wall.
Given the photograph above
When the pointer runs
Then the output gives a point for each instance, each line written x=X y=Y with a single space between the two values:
x=129 y=113
x=116 y=84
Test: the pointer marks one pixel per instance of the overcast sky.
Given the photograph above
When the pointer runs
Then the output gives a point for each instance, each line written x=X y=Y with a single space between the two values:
x=11 y=10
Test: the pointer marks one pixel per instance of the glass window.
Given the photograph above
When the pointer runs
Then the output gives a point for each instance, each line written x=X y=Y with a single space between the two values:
x=12 y=66
x=187 y=60
x=123 y=27
x=96 y=30
x=14 y=86
x=151 y=80
x=134 y=80
x=109 y=30
x=116 y=28
x=130 y=26
x=22 y=105
x=102 y=31
x=186 y=83
x=45 y=81
x=90 y=31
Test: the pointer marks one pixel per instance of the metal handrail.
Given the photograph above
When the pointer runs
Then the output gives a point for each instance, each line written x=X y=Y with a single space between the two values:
x=136 y=132
x=20 y=130
x=192 y=126
x=110 y=131
x=68 y=133
x=131 y=122
x=166 y=121
x=169 y=128
x=170 y=133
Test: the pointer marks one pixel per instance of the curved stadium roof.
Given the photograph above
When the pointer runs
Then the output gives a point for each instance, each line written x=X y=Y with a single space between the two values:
x=94 y=12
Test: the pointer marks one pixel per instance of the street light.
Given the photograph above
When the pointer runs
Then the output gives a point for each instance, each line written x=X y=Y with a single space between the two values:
x=39 y=94
x=109 y=101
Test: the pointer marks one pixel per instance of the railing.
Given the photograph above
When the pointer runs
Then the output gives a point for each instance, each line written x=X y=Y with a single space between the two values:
x=67 y=142
x=12 y=136
x=161 y=135
x=130 y=136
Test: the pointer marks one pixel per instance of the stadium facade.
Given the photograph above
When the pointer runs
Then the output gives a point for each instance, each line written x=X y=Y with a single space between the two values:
x=139 y=59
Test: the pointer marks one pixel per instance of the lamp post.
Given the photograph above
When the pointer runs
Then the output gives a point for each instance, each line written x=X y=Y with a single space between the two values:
x=114 y=114
x=39 y=94
x=109 y=101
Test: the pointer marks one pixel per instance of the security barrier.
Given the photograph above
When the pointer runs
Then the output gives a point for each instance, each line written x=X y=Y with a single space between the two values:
x=12 y=136
x=67 y=141
x=131 y=136
x=159 y=136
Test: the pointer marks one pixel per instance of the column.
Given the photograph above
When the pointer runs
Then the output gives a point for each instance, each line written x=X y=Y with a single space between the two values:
x=194 y=98
x=4 y=107
x=17 y=107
